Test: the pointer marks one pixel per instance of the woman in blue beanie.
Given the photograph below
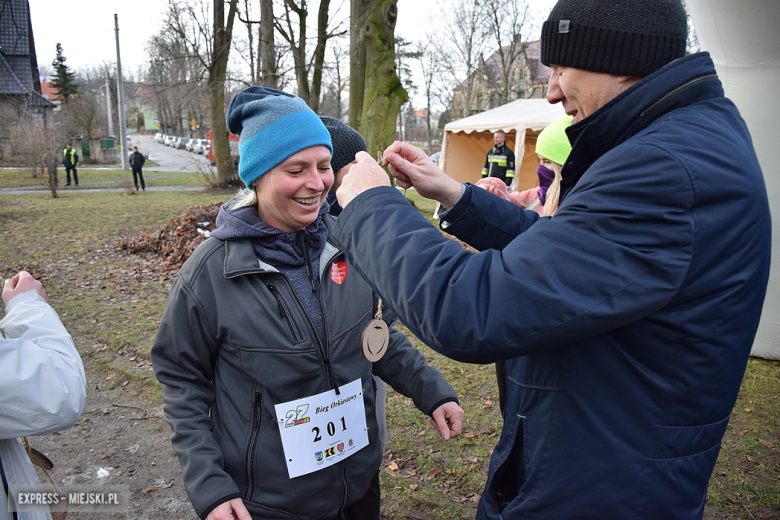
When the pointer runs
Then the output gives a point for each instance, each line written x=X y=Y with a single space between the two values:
x=260 y=352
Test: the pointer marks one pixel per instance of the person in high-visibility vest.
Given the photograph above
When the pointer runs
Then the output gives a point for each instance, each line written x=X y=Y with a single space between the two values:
x=500 y=160
x=70 y=158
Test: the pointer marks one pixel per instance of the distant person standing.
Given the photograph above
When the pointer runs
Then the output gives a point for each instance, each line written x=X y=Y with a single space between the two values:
x=500 y=162
x=137 y=161
x=70 y=158
x=50 y=164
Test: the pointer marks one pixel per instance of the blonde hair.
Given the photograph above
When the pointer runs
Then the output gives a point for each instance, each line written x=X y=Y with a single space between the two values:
x=553 y=193
x=245 y=197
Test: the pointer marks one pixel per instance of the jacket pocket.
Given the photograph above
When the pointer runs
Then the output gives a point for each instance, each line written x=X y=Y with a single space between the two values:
x=683 y=441
x=251 y=450
x=510 y=474
x=284 y=313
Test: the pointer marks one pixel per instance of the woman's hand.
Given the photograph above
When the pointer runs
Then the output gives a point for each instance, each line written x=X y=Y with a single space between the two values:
x=231 y=510
x=448 y=419
x=20 y=283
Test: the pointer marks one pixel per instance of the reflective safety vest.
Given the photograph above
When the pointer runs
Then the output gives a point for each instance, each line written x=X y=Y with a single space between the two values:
x=73 y=157
x=500 y=163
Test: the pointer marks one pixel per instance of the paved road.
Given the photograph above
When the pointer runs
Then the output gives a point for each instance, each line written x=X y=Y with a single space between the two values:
x=169 y=159
x=61 y=190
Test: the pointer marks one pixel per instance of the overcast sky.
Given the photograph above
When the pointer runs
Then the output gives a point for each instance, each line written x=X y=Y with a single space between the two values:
x=85 y=28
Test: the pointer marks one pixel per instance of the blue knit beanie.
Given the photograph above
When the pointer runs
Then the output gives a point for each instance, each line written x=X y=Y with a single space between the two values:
x=272 y=125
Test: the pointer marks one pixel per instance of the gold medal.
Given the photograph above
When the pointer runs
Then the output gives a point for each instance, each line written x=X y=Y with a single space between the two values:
x=375 y=337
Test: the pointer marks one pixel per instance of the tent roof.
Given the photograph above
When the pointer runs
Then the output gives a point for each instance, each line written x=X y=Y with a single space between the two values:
x=534 y=114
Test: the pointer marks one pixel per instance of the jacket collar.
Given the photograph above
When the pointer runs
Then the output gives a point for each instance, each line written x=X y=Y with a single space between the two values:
x=241 y=259
x=680 y=83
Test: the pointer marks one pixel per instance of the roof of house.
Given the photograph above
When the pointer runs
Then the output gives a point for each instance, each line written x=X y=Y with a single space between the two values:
x=48 y=91
x=9 y=81
x=18 y=63
x=540 y=73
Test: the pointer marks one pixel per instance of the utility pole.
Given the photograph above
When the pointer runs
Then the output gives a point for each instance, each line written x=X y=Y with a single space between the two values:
x=120 y=87
x=108 y=107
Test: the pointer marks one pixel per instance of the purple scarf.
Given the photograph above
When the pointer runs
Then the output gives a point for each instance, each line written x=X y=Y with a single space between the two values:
x=546 y=177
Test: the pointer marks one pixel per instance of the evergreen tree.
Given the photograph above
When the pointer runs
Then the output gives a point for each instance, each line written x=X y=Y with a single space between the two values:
x=64 y=81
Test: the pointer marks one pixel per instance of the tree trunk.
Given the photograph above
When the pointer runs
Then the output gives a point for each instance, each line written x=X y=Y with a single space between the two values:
x=319 y=55
x=254 y=65
x=267 y=51
x=298 y=47
x=357 y=60
x=381 y=89
x=217 y=71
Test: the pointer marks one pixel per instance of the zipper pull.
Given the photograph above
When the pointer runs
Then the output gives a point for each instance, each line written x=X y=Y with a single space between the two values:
x=278 y=299
x=332 y=381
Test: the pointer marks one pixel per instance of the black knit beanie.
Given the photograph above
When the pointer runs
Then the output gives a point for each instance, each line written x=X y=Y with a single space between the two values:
x=624 y=37
x=346 y=142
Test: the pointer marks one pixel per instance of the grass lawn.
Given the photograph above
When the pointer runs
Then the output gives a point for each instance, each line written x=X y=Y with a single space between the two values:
x=113 y=303
x=103 y=178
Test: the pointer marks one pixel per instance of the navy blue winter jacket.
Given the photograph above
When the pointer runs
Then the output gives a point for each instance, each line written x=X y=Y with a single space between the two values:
x=633 y=309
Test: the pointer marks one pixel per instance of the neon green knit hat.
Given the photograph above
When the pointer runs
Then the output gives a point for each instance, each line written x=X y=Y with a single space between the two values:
x=553 y=143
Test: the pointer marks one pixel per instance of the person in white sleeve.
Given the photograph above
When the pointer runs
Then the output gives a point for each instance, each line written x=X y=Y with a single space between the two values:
x=42 y=382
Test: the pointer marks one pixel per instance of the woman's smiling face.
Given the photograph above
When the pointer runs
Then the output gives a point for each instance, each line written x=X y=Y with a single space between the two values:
x=289 y=196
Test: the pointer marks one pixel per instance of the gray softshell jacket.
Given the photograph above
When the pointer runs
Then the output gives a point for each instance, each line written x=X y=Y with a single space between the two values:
x=234 y=341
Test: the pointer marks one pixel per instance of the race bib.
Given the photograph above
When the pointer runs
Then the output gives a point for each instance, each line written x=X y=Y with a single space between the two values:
x=323 y=429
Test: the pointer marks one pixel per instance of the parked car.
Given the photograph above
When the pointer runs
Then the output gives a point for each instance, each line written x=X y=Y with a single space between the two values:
x=190 y=144
x=435 y=158
x=180 y=143
x=168 y=140
x=196 y=148
x=158 y=137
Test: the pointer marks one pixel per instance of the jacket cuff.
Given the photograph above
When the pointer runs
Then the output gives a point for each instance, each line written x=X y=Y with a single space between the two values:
x=26 y=296
x=445 y=400
x=451 y=215
x=216 y=504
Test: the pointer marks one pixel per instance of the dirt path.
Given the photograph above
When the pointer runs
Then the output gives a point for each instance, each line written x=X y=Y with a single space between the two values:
x=123 y=433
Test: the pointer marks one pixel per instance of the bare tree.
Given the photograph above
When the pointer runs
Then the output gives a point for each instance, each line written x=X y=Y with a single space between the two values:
x=404 y=54
x=268 y=55
x=177 y=71
x=81 y=115
x=28 y=141
x=217 y=67
x=292 y=26
x=263 y=59
x=190 y=35
x=338 y=81
x=508 y=23
x=429 y=64
x=460 y=47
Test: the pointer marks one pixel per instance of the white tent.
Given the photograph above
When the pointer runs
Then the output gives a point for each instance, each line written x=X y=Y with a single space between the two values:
x=744 y=42
x=467 y=141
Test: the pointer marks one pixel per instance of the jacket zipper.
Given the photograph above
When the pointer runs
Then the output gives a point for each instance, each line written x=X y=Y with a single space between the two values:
x=284 y=312
x=675 y=91
x=329 y=368
x=324 y=350
x=257 y=411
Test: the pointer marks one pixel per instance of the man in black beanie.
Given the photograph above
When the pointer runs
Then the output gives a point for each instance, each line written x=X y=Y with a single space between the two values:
x=346 y=143
x=634 y=308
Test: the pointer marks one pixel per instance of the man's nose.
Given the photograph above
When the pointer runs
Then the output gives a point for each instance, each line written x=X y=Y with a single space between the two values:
x=554 y=92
